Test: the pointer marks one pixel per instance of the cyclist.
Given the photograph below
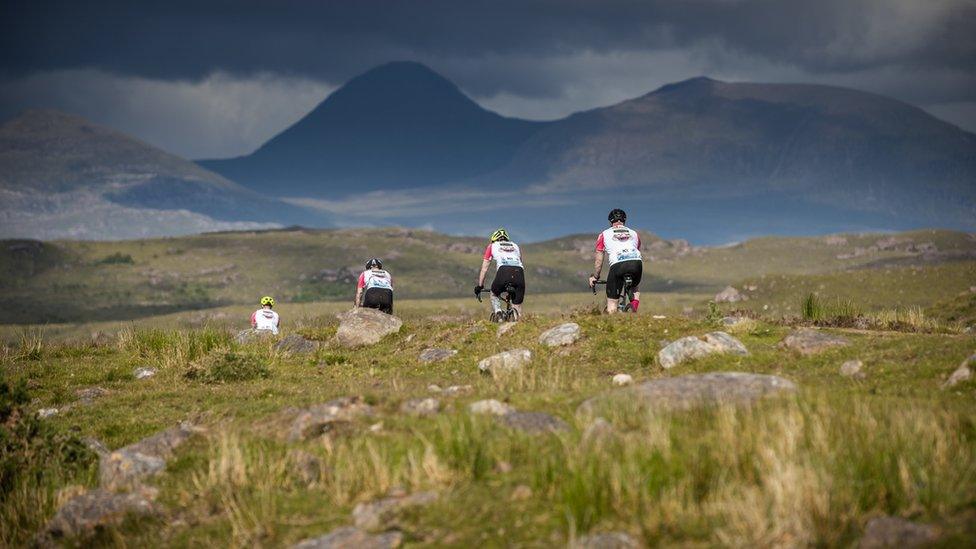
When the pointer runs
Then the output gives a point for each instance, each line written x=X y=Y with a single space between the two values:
x=508 y=256
x=622 y=246
x=264 y=318
x=375 y=288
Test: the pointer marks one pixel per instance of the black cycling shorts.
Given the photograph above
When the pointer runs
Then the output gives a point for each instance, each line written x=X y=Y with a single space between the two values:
x=510 y=275
x=379 y=298
x=615 y=278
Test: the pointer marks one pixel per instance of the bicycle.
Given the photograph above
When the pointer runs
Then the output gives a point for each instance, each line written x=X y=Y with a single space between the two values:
x=508 y=314
x=626 y=293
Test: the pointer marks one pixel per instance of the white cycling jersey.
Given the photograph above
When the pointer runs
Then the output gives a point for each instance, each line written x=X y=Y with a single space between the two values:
x=620 y=243
x=375 y=278
x=505 y=253
x=265 y=319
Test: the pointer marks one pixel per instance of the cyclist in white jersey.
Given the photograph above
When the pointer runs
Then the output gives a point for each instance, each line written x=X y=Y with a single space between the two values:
x=622 y=246
x=264 y=318
x=508 y=256
x=375 y=288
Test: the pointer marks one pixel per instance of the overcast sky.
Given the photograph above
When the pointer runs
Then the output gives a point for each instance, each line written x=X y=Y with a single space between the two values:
x=217 y=78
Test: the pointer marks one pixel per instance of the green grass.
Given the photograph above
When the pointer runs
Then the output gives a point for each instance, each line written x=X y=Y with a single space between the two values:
x=803 y=470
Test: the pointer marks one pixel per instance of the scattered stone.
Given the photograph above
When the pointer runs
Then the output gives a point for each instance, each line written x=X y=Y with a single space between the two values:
x=598 y=430
x=534 y=422
x=376 y=427
x=508 y=361
x=436 y=355
x=325 y=418
x=352 y=538
x=622 y=379
x=564 y=334
x=490 y=407
x=47 y=412
x=732 y=321
x=692 y=347
x=434 y=388
x=421 y=406
x=505 y=327
x=83 y=514
x=853 y=368
x=383 y=514
x=144 y=373
x=521 y=493
x=364 y=326
x=88 y=395
x=897 y=532
x=295 y=344
x=455 y=390
x=128 y=466
x=307 y=466
x=607 y=540
x=962 y=373
x=692 y=391
x=728 y=295
x=808 y=341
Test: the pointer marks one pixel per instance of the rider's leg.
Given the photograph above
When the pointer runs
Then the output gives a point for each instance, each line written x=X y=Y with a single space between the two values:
x=636 y=302
x=518 y=309
x=496 y=303
x=611 y=306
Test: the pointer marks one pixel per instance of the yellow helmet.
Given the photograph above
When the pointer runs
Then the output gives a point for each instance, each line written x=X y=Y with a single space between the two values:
x=500 y=234
x=267 y=300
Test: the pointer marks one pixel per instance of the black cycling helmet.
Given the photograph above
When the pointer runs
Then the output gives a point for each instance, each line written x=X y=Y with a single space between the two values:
x=616 y=215
x=374 y=262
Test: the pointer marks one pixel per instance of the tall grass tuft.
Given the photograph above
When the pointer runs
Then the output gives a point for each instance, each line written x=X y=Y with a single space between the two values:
x=31 y=345
x=820 y=311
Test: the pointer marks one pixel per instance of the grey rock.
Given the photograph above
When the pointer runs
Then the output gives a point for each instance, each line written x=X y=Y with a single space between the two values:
x=692 y=391
x=490 y=407
x=607 y=540
x=853 y=368
x=352 y=538
x=421 y=406
x=47 y=412
x=295 y=344
x=83 y=514
x=621 y=380
x=688 y=348
x=383 y=514
x=962 y=373
x=436 y=355
x=129 y=466
x=324 y=418
x=144 y=373
x=249 y=336
x=564 y=334
x=363 y=326
x=88 y=395
x=534 y=422
x=508 y=361
x=728 y=295
x=897 y=532
x=455 y=390
x=807 y=341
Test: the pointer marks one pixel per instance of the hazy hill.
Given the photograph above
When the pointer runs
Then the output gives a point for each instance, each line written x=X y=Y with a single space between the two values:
x=398 y=125
x=61 y=176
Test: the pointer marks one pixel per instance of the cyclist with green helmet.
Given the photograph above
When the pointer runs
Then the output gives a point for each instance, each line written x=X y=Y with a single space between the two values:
x=508 y=257
x=264 y=318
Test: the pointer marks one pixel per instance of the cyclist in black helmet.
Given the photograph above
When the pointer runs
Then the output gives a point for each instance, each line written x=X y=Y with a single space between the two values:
x=375 y=288
x=622 y=246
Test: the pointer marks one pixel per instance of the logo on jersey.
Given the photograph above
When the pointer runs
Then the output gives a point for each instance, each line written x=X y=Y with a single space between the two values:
x=621 y=235
x=506 y=247
x=267 y=314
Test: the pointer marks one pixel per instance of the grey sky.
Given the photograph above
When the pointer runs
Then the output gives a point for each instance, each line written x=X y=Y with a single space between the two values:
x=217 y=78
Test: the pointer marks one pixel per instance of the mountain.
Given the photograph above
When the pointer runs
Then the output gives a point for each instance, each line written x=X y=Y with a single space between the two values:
x=62 y=176
x=396 y=126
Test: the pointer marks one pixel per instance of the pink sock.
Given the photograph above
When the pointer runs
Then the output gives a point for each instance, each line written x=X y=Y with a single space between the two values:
x=634 y=304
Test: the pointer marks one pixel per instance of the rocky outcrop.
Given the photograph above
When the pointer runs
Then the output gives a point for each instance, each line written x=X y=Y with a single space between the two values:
x=688 y=348
x=436 y=355
x=962 y=373
x=384 y=513
x=321 y=419
x=897 y=532
x=363 y=326
x=808 y=341
x=129 y=466
x=82 y=515
x=534 y=422
x=506 y=362
x=564 y=334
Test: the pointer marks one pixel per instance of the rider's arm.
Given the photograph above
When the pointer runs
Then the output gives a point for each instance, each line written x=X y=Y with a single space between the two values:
x=359 y=289
x=484 y=271
x=254 y=319
x=597 y=264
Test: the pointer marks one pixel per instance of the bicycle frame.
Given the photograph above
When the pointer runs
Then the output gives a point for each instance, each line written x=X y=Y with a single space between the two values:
x=509 y=314
x=626 y=295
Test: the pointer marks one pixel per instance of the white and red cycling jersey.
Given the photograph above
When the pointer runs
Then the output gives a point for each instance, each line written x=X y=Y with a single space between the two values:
x=375 y=278
x=505 y=253
x=620 y=243
x=265 y=319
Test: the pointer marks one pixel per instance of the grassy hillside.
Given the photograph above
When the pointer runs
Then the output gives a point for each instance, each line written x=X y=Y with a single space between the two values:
x=68 y=281
x=809 y=469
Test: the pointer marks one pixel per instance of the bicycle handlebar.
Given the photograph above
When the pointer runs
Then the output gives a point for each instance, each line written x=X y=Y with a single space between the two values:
x=595 y=283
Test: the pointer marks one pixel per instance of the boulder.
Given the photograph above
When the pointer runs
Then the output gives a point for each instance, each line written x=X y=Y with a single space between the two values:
x=436 y=355
x=490 y=407
x=534 y=422
x=129 y=466
x=321 y=419
x=352 y=538
x=692 y=391
x=383 y=514
x=364 y=326
x=728 y=295
x=82 y=515
x=808 y=341
x=564 y=334
x=897 y=532
x=295 y=344
x=508 y=361
x=962 y=373
x=853 y=369
x=692 y=347
x=621 y=380
x=144 y=373
x=421 y=406
x=607 y=540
